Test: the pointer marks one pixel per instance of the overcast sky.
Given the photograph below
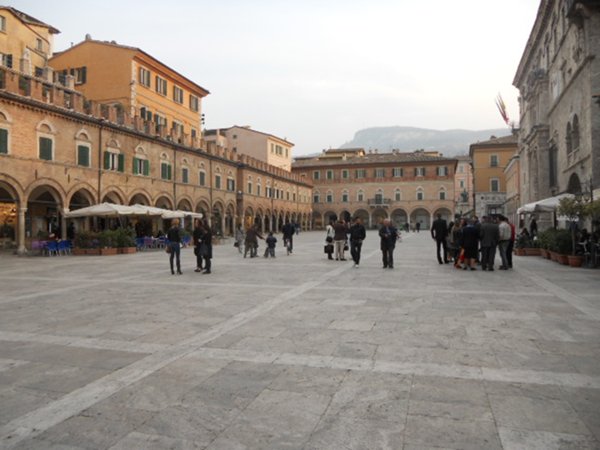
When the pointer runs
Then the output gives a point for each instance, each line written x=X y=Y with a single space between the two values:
x=317 y=71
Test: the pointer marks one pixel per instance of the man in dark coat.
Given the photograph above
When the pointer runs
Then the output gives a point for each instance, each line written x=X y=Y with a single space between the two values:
x=288 y=231
x=439 y=232
x=388 y=235
x=489 y=235
x=357 y=236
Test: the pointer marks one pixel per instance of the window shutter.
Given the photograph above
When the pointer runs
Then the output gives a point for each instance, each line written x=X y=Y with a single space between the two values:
x=83 y=75
x=83 y=156
x=169 y=174
x=3 y=141
x=146 y=167
x=46 y=149
x=424 y=171
x=9 y=61
x=416 y=171
x=121 y=162
x=135 y=166
x=106 y=160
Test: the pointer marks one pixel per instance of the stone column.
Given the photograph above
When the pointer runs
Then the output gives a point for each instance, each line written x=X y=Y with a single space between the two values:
x=21 y=250
x=63 y=225
x=223 y=225
x=262 y=225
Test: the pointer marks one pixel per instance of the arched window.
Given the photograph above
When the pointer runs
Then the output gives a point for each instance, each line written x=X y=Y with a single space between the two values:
x=83 y=149
x=569 y=139
x=397 y=195
x=360 y=196
x=420 y=194
x=379 y=197
x=329 y=197
x=141 y=165
x=575 y=133
x=166 y=170
x=45 y=135
x=316 y=197
x=442 y=193
x=345 y=197
x=4 y=133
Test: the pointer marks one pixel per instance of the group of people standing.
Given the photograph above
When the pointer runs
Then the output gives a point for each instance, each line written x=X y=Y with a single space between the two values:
x=342 y=236
x=202 y=239
x=470 y=241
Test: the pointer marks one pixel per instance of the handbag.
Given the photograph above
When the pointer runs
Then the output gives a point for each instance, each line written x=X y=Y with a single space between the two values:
x=236 y=244
x=328 y=248
x=346 y=246
x=329 y=239
x=168 y=249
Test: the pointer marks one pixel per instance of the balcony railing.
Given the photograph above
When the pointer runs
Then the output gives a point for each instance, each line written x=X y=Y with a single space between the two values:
x=383 y=202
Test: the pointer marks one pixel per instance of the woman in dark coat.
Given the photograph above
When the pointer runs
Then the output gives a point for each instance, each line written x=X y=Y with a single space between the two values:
x=206 y=246
x=470 y=242
x=174 y=237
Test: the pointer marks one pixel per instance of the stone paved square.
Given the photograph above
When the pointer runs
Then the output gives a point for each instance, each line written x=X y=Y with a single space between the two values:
x=297 y=352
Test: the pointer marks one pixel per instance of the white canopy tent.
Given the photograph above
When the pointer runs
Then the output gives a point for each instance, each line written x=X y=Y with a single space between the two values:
x=547 y=205
x=166 y=213
x=106 y=210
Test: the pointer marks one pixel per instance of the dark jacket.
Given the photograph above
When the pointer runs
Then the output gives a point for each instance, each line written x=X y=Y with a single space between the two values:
x=388 y=236
x=357 y=232
x=489 y=234
x=340 y=232
x=206 y=242
x=288 y=230
x=271 y=241
x=439 y=229
x=469 y=237
x=173 y=235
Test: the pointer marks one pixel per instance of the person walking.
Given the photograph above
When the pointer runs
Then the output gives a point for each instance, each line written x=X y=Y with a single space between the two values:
x=251 y=243
x=489 y=235
x=288 y=231
x=174 y=237
x=357 y=236
x=339 y=239
x=239 y=238
x=271 y=243
x=439 y=233
x=388 y=235
x=330 y=232
x=418 y=226
x=197 y=239
x=206 y=247
x=511 y=243
x=504 y=235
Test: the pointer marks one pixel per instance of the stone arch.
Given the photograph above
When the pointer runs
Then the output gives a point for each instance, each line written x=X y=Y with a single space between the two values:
x=81 y=195
x=345 y=215
x=185 y=203
x=574 y=186
x=445 y=212
x=164 y=200
x=328 y=216
x=12 y=186
x=113 y=194
x=5 y=116
x=45 y=204
x=378 y=215
x=399 y=217
x=113 y=143
x=317 y=220
x=364 y=216
x=202 y=206
x=141 y=197
x=45 y=126
x=83 y=135
x=230 y=219
x=56 y=189
x=420 y=215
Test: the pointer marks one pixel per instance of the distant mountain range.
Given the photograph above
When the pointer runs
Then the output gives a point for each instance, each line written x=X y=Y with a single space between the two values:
x=448 y=142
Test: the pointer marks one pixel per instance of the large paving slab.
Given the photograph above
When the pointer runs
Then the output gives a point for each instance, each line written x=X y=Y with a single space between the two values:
x=297 y=352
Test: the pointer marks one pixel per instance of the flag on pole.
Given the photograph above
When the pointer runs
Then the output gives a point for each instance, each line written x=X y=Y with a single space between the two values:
x=502 y=108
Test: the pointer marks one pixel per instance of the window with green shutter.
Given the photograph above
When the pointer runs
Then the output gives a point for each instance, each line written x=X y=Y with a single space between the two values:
x=169 y=172
x=202 y=178
x=135 y=166
x=106 y=160
x=46 y=149
x=146 y=167
x=184 y=175
x=83 y=155
x=165 y=171
x=121 y=163
x=3 y=141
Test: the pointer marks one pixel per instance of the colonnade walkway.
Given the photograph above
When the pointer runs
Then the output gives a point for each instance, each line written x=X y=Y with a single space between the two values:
x=297 y=352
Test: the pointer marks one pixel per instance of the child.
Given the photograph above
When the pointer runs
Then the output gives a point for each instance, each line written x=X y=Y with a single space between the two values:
x=271 y=242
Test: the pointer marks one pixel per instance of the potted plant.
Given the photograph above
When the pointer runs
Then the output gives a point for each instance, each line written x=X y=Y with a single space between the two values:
x=86 y=243
x=107 y=242
x=563 y=246
x=574 y=210
x=125 y=240
x=520 y=245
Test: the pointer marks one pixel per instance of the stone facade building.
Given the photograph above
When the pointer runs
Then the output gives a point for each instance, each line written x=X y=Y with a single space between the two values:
x=558 y=77
x=58 y=155
x=406 y=187
x=489 y=159
x=512 y=203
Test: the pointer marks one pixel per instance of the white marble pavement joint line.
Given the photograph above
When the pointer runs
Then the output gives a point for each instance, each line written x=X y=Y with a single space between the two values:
x=566 y=296
x=38 y=421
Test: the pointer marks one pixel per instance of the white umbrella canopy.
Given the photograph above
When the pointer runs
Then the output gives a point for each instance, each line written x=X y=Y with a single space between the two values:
x=104 y=210
x=167 y=213
x=547 y=205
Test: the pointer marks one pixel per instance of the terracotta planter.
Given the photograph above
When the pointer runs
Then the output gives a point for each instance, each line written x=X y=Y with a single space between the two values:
x=108 y=251
x=553 y=255
x=78 y=251
x=127 y=250
x=85 y=251
x=575 y=260
x=562 y=259
x=547 y=254
x=520 y=251
x=532 y=251
x=543 y=252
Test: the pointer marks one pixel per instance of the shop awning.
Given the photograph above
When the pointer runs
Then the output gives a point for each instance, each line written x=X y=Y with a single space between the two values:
x=546 y=205
x=105 y=210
